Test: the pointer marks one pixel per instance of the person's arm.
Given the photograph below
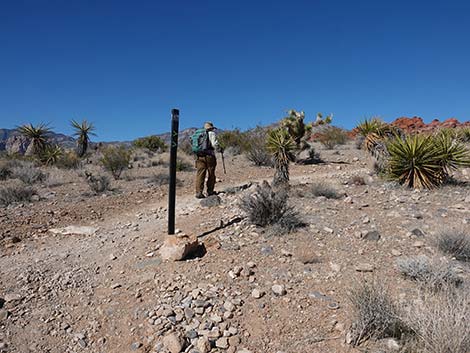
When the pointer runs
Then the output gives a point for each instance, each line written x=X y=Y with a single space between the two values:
x=214 y=141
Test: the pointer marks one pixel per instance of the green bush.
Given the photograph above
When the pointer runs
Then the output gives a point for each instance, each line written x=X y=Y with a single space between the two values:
x=115 y=160
x=68 y=160
x=152 y=143
x=332 y=136
x=235 y=140
x=425 y=161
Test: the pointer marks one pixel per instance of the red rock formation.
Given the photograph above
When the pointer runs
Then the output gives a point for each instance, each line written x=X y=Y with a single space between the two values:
x=416 y=124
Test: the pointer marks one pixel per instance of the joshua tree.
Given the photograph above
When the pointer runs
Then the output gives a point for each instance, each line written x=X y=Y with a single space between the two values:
x=82 y=132
x=37 y=136
x=294 y=123
x=281 y=145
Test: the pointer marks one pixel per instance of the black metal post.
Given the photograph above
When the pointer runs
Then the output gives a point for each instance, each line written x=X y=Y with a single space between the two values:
x=175 y=117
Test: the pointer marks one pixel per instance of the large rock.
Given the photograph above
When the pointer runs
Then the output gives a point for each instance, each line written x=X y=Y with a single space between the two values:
x=16 y=144
x=179 y=247
x=173 y=343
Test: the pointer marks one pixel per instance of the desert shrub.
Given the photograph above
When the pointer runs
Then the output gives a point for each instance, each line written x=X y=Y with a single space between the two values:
x=433 y=274
x=183 y=166
x=256 y=150
x=115 y=160
x=98 y=184
x=235 y=141
x=51 y=154
x=161 y=179
x=376 y=316
x=6 y=170
x=68 y=160
x=16 y=193
x=357 y=180
x=332 y=136
x=454 y=243
x=464 y=134
x=441 y=321
x=267 y=207
x=152 y=143
x=323 y=189
x=185 y=147
x=29 y=174
x=425 y=161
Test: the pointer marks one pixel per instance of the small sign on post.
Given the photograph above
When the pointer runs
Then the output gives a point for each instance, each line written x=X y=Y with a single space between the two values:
x=175 y=117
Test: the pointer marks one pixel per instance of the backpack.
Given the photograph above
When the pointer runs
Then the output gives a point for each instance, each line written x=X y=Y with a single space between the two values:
x=200 y=141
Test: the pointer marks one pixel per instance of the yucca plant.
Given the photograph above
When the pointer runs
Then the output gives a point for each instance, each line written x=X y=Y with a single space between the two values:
x=294 y=123
x=281 y=146
x=416 y=161
x=453 y=153
x=37 y=135
x=51 y=154
x=83 y=131
x=463 y=134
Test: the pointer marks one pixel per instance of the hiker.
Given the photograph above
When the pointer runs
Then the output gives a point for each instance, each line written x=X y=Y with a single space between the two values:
x=204 y=143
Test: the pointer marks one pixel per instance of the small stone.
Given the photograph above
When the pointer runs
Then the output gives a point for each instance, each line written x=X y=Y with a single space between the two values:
x=328 y=230
x=203 y=345
x=11 y=297
x=112 y=257
x=372 y=235
x=135 y=346
x=82 y=343
x=173 y=343
x=396 y=252
x=229 y=306
x=417 y=233
x=418 y=244
x=278 y=290
x=256 y=293
x=222 y=343
x=211 y=201
x=4 y=314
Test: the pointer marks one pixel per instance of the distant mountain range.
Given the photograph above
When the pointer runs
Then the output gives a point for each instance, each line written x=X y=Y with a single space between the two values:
x=13 y=142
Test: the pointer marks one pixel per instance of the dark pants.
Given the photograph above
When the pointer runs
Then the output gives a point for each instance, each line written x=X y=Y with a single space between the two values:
x=205 y=164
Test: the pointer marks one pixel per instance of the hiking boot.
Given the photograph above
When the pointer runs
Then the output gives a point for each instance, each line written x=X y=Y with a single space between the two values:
x=200 y=195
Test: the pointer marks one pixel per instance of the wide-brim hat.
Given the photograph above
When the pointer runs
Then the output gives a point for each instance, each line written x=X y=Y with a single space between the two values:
x=208 y=125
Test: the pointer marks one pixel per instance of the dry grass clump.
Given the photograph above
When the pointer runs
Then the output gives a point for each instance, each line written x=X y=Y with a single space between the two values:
x=332 y=136
x=267 y=207
x=441 y=321
x=161 y=179
x=28 y=173
x=357 y=180
x=430 y=273
x=376 y=316
x=98 y=184
x=6 y=170
x=15 y=193
x=323 y=189
x=455 y=243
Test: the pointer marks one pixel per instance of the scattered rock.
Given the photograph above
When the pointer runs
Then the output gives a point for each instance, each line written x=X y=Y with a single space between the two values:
x=77 y=230
x=372 y=235
x=211 y=201
x=256 y=293
x=178 y=248
x=135 y=346
x=173 y=343
x=278 y=290
x=203 y=345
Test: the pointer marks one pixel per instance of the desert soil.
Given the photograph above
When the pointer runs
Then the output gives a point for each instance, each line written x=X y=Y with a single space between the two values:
x=111 y=292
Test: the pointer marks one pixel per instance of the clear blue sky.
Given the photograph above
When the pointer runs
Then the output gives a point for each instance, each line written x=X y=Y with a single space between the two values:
x=125 y=64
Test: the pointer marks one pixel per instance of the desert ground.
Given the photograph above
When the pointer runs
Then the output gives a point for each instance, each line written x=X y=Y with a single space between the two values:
x=254 y=290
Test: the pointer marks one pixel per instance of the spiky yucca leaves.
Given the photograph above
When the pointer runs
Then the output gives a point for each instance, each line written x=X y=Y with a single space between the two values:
x=320 y=121
x=51 y=154
x=415 y=161
x=281 y=146
x=372 y=125
x=37 y=135
x=463 y=134
x=453 y=153
x=83 y=131
x=294 y=123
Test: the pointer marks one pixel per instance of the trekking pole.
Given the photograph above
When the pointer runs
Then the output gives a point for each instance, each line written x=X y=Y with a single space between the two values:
x=223 y=162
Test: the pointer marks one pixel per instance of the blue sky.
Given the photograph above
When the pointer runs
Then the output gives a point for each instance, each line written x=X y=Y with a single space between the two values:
x=124 y=64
